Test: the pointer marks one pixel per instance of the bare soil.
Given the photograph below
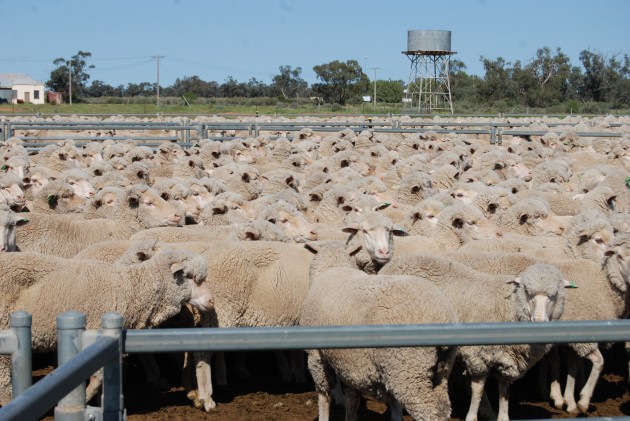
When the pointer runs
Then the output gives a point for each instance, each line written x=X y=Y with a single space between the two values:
x=263 y=397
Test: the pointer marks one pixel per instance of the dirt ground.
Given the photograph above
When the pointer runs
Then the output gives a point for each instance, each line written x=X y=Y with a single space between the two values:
x=263 y=397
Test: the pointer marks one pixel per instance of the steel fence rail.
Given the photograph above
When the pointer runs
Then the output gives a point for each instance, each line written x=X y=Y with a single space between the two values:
x=374 y=336
x=100 y=347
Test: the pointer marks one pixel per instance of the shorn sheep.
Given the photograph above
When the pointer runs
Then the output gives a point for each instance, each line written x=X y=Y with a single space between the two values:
x=414 y=378
x=145 y=294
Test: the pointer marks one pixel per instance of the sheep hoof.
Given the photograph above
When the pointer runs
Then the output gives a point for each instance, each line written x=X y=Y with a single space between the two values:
x=209 y=405
x=572 y=408
x=583 y=406
x=558 y=403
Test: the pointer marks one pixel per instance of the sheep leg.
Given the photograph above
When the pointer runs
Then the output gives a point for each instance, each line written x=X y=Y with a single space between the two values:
x=203 y=375
x=477 y=388
x=586 y=393
x=324 y=380
x=353 y=399
x=504 y=397
x=555 y=391
x=569 y=388
x=627 y=346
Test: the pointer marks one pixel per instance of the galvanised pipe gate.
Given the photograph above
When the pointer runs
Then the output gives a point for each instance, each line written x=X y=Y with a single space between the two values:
x=81 y=352
x=495 y=130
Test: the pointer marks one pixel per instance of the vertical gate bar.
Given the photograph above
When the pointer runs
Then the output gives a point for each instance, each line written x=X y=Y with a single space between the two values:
x=21 y=358
x=113 y=399
x=70 y=326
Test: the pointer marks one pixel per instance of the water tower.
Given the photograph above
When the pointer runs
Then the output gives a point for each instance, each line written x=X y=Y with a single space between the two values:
x=428 y=88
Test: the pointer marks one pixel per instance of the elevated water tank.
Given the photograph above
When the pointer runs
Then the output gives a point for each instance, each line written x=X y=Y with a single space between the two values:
x=420 y=40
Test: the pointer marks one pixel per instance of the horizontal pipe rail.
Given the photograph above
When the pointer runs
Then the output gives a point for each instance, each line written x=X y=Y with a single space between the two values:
x=49 y=390
x=268 y=338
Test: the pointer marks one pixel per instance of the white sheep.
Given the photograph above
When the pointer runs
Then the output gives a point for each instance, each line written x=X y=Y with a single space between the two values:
x=536 y=295
x=413 y=378
x=139 y=208
x=11 y=192
x=57 y=197
x=9 y=220
x=145 y=294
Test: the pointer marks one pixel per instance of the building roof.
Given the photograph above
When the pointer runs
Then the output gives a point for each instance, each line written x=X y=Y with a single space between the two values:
x=8 y=80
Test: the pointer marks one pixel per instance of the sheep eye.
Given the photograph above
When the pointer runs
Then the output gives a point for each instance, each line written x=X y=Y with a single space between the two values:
x=189 y=276
x=64 y=196
x=71 y=183
x=430 y=216
x=599 y=241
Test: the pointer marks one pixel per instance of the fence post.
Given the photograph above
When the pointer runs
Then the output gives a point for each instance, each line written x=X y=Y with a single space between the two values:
x=21 y=358
x=201 y=131
x=113 y=399
x=493 y=135
x=70 y=326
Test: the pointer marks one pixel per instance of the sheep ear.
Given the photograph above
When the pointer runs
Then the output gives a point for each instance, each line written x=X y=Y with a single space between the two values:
x=578 y=196
x=352 y=229
x=522 y=219
x=315 y=197
x=142 y=256
x=176 y=267
x=312 y=247
x=252 y=234
x=515 y=281
x=399 y=232
x=352 y=250
x=569 y=284
x=383 y=206
x=458 y=223
x=52 y=201
x=346 y=208
x=21 y=221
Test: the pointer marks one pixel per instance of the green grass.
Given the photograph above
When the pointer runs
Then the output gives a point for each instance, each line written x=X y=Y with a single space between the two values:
x=269 y=106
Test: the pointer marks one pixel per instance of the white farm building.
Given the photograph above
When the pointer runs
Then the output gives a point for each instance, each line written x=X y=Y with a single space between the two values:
x=18 y=87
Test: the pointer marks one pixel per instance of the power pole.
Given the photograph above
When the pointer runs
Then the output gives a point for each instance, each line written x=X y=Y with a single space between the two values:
x=158 y=57
x=70 y=81
x=375 y=69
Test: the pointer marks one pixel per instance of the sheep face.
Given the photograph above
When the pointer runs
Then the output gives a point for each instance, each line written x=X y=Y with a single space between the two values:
x=13 y=196
x=193 y=271
x=540 y=293
x=376 y=233
x=9 y=221
x=82 y=188
x=293 y=224
x=18 y=166
x=153 y=211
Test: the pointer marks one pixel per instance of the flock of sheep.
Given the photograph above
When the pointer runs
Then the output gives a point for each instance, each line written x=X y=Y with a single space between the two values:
x=269 y=231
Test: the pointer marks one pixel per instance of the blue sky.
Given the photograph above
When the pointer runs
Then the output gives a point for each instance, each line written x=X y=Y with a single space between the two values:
x=215 y=39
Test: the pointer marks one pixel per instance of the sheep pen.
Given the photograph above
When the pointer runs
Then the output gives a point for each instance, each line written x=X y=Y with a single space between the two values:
x=331 y=174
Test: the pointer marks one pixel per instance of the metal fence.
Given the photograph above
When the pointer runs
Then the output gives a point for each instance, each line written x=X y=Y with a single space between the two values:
x=494 y=130
x=81 y=352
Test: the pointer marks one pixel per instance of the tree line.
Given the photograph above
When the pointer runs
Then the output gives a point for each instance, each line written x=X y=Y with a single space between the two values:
x=546 y=80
